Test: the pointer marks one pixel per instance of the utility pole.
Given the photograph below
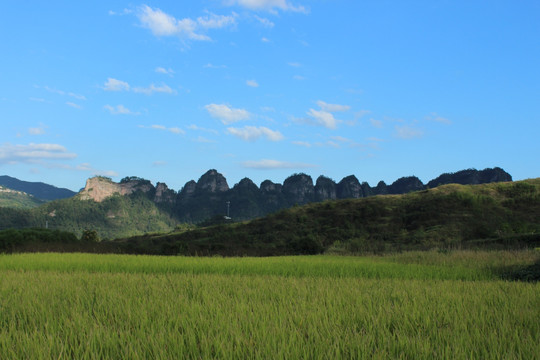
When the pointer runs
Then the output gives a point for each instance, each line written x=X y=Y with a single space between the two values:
x=228 y=207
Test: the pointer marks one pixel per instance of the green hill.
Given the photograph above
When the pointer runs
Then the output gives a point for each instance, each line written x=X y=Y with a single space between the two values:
x=17 y=199
x=497 y=215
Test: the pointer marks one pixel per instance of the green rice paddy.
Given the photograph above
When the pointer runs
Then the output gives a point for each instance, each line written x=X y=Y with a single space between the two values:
x=410 y=306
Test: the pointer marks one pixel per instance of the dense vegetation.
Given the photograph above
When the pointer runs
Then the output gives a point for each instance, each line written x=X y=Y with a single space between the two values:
x=114 y=217
x=413 y=305
x=497 y=215
x=18 y=200
x=502 y=215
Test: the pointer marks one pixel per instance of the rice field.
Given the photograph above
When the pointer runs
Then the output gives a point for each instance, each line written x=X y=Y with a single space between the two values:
x=409 y=306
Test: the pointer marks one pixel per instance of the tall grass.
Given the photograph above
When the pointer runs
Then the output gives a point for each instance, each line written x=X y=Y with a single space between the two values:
x=93 y=307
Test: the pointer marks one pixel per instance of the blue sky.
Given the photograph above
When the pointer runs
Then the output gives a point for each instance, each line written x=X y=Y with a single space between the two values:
x=166 y=90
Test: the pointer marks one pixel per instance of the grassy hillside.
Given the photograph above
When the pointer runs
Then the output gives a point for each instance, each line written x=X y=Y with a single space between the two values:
x=498 y=215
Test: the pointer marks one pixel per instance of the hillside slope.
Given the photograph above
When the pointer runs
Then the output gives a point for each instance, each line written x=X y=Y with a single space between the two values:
x=37 y=189
x=450 y=216
x=17 y=199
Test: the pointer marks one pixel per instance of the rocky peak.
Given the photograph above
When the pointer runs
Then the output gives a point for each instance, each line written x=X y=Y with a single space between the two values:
x=349 y=187
x=325 y=189
x=100 y=188
x=298 y=189
x=164 y=194
x=405 y=185
x=246 y=185
x=269 y=186
x=212 y=181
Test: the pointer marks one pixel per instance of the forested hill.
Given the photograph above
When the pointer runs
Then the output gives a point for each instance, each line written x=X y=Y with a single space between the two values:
x=503 y=215
x=39 y=190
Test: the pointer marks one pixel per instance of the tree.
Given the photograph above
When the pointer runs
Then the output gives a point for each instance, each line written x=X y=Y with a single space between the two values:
x=90 y=236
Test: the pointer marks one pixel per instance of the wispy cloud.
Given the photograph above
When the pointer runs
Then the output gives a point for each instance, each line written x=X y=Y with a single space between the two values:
x=268 y=164
x=437 y=118
x=268 y=5
x=264 y=22
x=407 y=132
x=31 y=153
x=40 y=130
x=332 y=107
x=162 y=70
x=323 y=118
x=251 y=133
x=212 y=66
x=252 y=83
x=163 y=24
x=174 y=130
x=301 y=143
x=115 y=85
x=198 y=128
x=376 y=123
x=227 y=114
x=120 y=110
x=155 y=89
x=73 y=105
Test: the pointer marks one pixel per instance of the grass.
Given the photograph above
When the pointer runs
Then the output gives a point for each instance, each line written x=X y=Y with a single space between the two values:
x=411 y=305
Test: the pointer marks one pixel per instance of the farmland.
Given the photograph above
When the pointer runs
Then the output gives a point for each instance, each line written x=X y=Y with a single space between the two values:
x=409 y=305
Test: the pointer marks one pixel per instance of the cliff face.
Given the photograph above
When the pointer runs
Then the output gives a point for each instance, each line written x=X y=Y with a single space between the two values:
x=212 y=182
x=99 y=188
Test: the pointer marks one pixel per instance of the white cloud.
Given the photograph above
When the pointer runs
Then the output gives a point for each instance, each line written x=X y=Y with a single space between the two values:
x=159 y=163
x=87 y=167
x=251 y=133
x=198 y=128
x=213 y=21
x=32 y=153
x=268 y=164
x=437 y=118
x=163 y=24
x=376 y=123
x=162 y=70
x=77 y=96
x=226 y=114
x=116 y=85
x=73 y=105
x=323 y=118
x=340 y=139
x=407 y=132
x=299 y=77
x=119 y=110
x=252 y=83
x=155 y=89
x=174 y=130
x=37 y=130
x=201 y=139
x=295 y=64
x=212 y=66
x=268 y=5
x=332 y=107
x=266 y=40
x=301 y=143
x=265 y=22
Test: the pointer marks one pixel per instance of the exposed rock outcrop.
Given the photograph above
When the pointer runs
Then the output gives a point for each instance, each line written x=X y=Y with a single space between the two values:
x=100 y=188
x=212 y=182
x=405 y=185
x=325 y=189
x=298 y=189
x=349 y=187
x=164 y=194
x=471 y=176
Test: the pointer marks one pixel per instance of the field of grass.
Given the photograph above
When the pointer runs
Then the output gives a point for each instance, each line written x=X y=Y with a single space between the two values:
x=411 y=305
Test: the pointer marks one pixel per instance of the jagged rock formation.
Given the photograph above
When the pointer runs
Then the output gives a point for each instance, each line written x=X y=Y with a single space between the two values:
x=99 y=188
x=325 y=189
x=208 y=197
x=349 y=187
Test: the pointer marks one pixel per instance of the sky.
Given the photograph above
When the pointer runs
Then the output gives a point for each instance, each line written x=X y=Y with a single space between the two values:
x=166 y=90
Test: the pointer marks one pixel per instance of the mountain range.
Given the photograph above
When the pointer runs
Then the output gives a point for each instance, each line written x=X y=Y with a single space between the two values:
x=135 y=206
